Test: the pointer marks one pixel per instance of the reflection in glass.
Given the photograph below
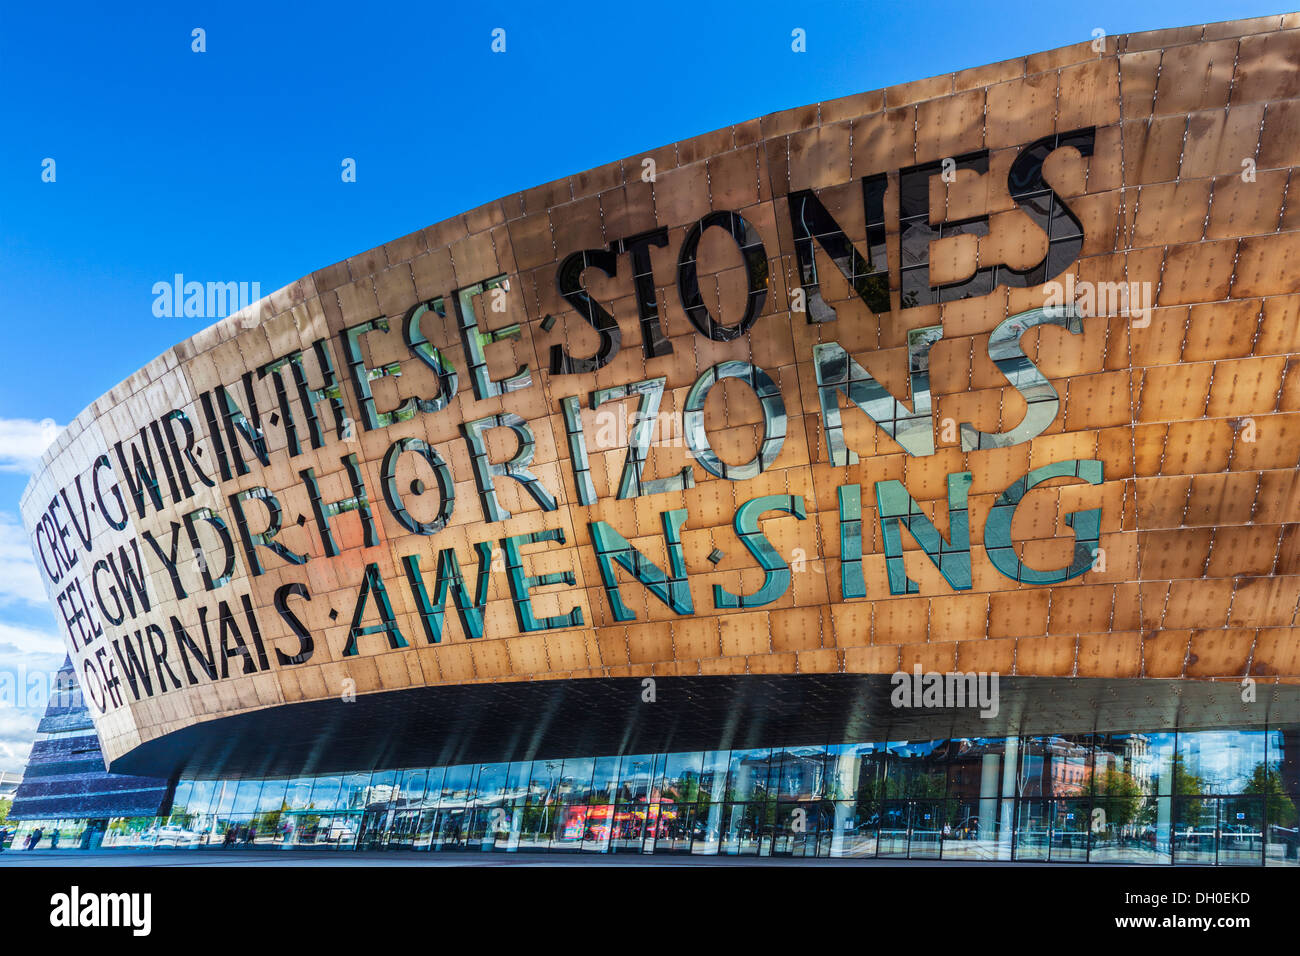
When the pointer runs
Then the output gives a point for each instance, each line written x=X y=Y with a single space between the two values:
x=1221 y=797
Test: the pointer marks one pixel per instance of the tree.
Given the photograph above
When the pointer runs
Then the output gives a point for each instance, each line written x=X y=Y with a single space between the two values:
x=5 y=804
x=1279 y=809
x=1189 y=785
x=1123 y=795
x=687 y=791
x=268 y=822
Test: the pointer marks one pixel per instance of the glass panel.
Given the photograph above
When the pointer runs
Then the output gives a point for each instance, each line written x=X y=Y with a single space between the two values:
x=928 y=820
x=1124 y=828
x=1281 y=814
x=1220 y=761
x=181 y=795
x=311 y=823
x=604 y=782
x=852 y=834
x=453 y=821
x=410 y=797
x=575 y=780
x=189 y=819
x=488 y=817
x=708 y=817
x=492 y=781
x=458 y=784
x=406 y=825
x=679 y=778
x=270 y=822
x=485 y=825
x=713 y=775
x=272 y=796
x=599 y=828
x=747 y=774
x=915 y=769
x=1142 y=762
x=802 y=774
x=246 y=796
x=628 y=828
x=382 y=789
x=973 y=766
x=798 y=827
x=411 y=791
x=1284 y=755
x=676 y=826
x=1033 y=829
x=325 y=793
x=450 y=827
x=636 y=775
x=971 y=830
x=541 y=811
x=433 y=788
x=743 y=830
x=298 y=793
x=1131 y=779
x=352 y=796
x=135 y=832
x=204 y=796
x=1068 y=837
x=706 y=831
x=424 y=830
x=1194 y=830
x=894 y=819
x=225 y=802
x=573 y=792
x=1056 y=766
x=1241 y=831
x=378 y=810
x=427 y=823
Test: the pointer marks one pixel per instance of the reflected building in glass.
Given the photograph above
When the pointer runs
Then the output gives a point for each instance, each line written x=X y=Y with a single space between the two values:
x=1192 y=797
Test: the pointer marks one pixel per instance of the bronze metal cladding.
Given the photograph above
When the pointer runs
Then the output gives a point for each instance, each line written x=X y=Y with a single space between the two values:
x=994 y=371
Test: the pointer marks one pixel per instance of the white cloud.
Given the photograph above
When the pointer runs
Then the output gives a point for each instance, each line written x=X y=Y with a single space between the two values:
x=29 y=656
x=20 y=580
x=16 y=639
x=27 y=671
x=23 y=441
x=17 y=727
x=14 y=752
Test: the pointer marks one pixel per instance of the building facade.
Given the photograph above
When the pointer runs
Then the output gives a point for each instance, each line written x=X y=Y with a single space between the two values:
x=913 y=473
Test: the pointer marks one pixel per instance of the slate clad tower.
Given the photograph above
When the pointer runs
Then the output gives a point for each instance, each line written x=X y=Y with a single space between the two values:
x=66 y=778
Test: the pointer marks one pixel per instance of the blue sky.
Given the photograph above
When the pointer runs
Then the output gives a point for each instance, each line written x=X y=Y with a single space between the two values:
x=225 y=165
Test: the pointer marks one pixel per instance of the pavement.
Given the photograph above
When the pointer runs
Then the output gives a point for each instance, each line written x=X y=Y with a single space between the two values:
x=244 y=858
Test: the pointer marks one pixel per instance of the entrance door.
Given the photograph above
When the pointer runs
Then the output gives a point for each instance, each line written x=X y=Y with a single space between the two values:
x=1241 y=831
x=93 y=835
x=895 y=821
x=927 y=818
x=371 y=835
x=405 y=825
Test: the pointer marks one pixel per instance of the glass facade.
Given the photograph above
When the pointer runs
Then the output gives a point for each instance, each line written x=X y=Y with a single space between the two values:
x=1215 y=797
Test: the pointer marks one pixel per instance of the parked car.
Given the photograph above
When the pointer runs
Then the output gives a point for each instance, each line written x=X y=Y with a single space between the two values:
x=176 y=835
